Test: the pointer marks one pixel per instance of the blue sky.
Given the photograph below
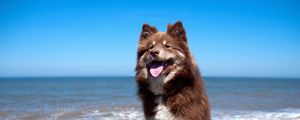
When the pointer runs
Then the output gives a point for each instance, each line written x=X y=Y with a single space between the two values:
x=252 y=38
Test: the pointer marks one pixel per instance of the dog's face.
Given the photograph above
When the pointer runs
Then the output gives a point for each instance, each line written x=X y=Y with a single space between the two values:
x=161 y=55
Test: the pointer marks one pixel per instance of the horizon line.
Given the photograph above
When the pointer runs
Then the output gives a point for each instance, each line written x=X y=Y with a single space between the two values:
x=116 y=76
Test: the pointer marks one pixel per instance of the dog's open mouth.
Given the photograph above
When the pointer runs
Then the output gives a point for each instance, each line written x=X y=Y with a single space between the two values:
x=157 y=67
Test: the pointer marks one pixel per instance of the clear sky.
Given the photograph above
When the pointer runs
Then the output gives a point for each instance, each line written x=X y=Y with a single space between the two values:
x=252 y=38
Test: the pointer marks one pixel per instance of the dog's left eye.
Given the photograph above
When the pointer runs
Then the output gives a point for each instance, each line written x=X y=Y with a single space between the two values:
x=168 y=46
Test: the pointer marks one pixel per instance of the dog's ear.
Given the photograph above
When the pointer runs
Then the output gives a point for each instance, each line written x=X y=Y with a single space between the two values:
x=147 y=30
x=177 y=31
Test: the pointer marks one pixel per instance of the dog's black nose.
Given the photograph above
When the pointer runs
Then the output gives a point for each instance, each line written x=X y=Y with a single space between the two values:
x=154 y=53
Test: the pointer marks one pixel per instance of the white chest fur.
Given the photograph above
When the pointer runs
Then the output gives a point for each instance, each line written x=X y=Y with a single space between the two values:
x=162 y=111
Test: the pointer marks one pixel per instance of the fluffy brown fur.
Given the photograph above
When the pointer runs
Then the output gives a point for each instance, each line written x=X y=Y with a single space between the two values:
x=179 y=85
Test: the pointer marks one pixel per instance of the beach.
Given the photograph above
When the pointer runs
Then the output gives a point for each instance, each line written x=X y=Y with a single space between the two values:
x=111 y=98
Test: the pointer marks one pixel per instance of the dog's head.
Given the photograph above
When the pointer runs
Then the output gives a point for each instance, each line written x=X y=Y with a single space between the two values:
x=161 y=55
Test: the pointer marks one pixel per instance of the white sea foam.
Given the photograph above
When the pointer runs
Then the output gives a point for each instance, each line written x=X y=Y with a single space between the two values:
x=123 y=114
x=133 y=113
x=286 y=114
x=127 y=113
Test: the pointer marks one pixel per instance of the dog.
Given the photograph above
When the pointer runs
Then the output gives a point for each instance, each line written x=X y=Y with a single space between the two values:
x=169 y=83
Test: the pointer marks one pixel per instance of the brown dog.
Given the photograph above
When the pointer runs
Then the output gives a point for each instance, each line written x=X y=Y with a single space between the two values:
x=169 y=82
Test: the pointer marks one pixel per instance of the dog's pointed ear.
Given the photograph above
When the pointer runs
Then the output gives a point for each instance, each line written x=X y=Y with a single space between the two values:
x=177 y=31
x=147 y=30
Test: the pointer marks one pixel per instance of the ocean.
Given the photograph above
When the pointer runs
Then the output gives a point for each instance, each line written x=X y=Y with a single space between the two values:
x=114 y=98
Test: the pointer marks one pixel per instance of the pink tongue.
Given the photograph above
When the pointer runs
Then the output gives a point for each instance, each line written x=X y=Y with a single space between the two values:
x=156 y=71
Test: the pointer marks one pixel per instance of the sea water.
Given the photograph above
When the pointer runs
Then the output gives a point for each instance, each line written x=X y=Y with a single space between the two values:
x=114 y=98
